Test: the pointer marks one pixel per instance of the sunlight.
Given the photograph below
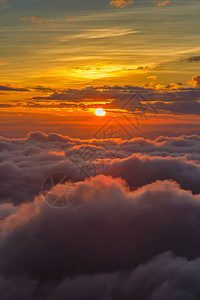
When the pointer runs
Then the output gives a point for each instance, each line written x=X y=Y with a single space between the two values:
x=100 y=112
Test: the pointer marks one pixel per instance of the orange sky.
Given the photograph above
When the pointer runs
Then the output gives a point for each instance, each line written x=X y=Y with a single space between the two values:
x=59 y=63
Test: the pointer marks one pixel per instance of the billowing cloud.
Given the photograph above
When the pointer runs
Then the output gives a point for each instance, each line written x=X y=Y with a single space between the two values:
x=25 y=163
x=174 y=277
x=108 y=235
x=132 y=225
x=195 y=81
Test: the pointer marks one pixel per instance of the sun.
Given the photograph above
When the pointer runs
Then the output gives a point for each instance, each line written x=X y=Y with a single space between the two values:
x=100 y=112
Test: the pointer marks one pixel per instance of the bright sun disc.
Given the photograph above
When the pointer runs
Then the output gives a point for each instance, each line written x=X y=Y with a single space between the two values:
x=100 y=112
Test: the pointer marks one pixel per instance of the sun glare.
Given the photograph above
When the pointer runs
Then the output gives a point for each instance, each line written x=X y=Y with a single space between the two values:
x=100 y=112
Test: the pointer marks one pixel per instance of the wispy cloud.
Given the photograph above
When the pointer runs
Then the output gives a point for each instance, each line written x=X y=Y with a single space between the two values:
x=193 y=59
x=9 y=87
x=100 y=33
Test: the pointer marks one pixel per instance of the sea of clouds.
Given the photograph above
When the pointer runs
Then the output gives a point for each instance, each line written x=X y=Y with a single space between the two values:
x=132 y=230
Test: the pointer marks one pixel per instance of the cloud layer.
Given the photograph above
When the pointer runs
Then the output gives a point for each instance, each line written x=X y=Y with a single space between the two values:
x=172 y=98
x=25 y=163
x=131 y=231
x=100 y=242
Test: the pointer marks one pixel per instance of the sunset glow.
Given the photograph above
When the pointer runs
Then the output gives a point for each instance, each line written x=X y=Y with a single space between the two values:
x=68 y=63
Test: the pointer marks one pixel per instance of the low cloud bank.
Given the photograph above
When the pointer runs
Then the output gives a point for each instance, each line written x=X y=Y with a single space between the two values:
x=26 y=163
x=132 y=232
x=110 y=242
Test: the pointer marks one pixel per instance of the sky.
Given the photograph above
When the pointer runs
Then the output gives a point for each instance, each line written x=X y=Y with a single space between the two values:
x=49 y=50
x=78 y=43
